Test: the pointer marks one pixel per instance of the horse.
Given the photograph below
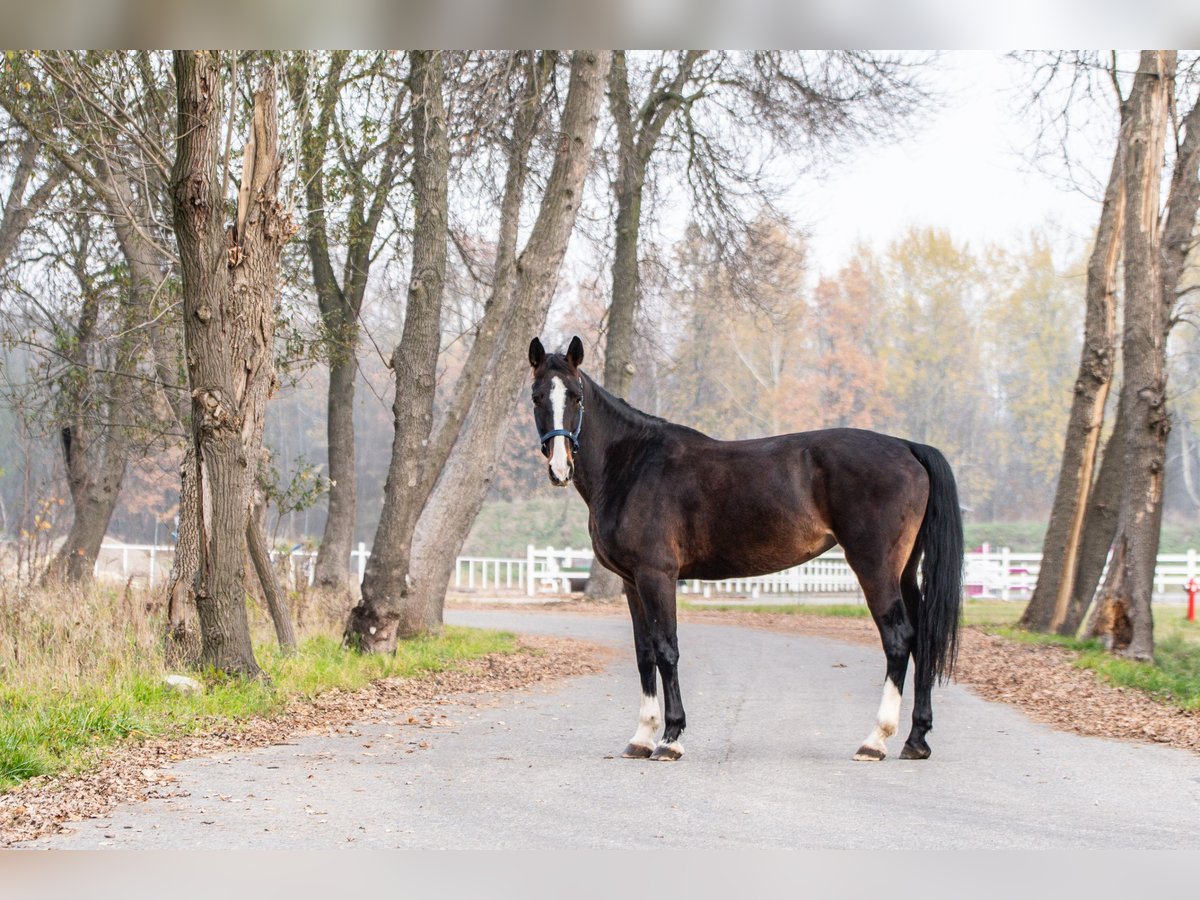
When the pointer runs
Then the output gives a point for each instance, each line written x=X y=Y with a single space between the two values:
x=666 y=502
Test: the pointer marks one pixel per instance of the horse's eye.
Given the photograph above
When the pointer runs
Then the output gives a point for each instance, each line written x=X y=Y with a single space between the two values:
x=537 y=399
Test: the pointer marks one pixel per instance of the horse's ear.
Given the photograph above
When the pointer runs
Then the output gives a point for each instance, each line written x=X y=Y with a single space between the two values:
x=575 y=352
x=537 y=352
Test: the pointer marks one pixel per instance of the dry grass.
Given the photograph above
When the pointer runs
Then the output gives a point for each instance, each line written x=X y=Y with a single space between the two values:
x=84 y=667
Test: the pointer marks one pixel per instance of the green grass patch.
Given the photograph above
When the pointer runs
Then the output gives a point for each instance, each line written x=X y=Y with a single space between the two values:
x=44 y=730
x=1173 y=677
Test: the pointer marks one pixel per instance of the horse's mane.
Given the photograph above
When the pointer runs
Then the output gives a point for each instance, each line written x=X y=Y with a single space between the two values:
x=619 y=407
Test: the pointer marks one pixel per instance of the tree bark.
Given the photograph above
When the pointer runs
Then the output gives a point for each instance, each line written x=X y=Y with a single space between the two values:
x=229 y=287
x=1124 y=617
x=638 y=133
x=1047 y=609
x=90 y=403
x=383 y=613
x=526 y=117
x=463 y=484
x=1099 y=529
x=260 y=556
x=340 y=303
x=183 y=636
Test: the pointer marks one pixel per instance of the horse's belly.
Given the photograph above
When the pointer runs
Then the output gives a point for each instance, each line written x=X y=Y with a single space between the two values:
x=749 y=560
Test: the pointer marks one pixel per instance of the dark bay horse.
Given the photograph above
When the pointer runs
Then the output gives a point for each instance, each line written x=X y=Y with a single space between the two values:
x=667 y=503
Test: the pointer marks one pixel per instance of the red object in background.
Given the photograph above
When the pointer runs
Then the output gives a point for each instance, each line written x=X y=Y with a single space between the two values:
x=1192 y=587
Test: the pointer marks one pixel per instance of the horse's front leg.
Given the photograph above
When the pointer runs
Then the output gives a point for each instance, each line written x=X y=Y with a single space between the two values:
x=657 y=593
x=641 y=745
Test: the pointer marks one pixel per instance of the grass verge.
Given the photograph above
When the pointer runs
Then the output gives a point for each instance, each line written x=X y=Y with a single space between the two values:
x=1173 y=677
x=46 y=728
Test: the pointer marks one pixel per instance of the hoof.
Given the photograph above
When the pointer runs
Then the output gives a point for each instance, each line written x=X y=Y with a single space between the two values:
x=869 y=754
x=637 y=751
x=667 y=752
x=915 y=751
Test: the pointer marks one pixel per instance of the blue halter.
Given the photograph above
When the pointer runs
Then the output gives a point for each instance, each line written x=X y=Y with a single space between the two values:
x=572 y=436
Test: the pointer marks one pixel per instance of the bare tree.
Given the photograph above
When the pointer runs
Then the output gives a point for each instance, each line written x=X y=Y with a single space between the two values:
x=354 y=101
x=229 y=289
x=94 y=395
x=1123 y=615
x=380 y=615
x=102 y=118
x=462 y=484
x=384 y=613
x=1048 y=608
x=20 y=209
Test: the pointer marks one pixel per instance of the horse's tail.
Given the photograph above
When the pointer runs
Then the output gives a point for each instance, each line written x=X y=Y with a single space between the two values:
x=941 y=541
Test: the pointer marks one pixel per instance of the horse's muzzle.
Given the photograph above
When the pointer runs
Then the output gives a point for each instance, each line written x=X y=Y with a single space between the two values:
x=554 y=479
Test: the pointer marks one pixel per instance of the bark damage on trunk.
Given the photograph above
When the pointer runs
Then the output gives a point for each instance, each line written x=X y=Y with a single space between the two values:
x=229 y=287
x=1123 y=615
x=1048 y=608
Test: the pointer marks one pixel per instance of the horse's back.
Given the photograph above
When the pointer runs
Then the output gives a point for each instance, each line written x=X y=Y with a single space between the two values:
x=741 y=508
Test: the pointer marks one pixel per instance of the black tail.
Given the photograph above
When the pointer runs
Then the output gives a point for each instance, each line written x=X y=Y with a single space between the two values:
x=941 y=541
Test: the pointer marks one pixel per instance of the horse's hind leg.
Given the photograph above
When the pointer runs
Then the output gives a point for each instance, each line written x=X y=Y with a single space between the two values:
x=897 y=634
x=922 y=718
x=641 y=745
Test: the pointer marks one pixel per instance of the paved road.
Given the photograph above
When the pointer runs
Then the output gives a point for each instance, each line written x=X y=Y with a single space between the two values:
x=774 y=721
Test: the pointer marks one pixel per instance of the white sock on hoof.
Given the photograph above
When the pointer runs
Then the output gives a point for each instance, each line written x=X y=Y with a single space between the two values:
x=887 y=720
x=649 y=720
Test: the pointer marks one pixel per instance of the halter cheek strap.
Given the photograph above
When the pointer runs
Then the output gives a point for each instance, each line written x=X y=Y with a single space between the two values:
x=572 y=436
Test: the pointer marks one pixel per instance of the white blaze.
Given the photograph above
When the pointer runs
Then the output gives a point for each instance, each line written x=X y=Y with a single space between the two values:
x=559 y=464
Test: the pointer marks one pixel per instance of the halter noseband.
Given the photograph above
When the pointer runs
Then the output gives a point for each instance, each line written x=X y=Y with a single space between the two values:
x=572 y=436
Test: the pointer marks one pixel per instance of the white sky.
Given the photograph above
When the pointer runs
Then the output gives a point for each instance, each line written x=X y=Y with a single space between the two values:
x=965 y=169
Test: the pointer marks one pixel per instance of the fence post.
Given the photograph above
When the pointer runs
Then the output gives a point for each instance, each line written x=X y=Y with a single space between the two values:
x=1005 y=564
x=152 y=549
x=1191 y=566
x=529 y=570
x=362 y=561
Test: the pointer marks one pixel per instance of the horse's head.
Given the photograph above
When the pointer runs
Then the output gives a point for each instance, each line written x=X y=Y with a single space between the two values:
x=558 y=406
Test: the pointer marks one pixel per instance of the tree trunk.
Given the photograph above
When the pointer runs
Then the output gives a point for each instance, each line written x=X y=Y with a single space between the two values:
x=1099 y=529
x=260 y=556
x=340 y=304
x=604 y=584
x=1047 y=609
x=526 y=117
x=337 y=540
x=95 y=486
x=1123 y=617
x=383 y=613
x=229 y=287
x=183 y=638
x=463 y=484
x=93 y=442
x=638 y=133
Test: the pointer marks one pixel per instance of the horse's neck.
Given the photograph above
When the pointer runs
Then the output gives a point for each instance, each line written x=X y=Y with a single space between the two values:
x=603 y=425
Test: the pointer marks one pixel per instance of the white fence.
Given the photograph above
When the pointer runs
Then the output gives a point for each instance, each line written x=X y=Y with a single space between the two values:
x=997 y=574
